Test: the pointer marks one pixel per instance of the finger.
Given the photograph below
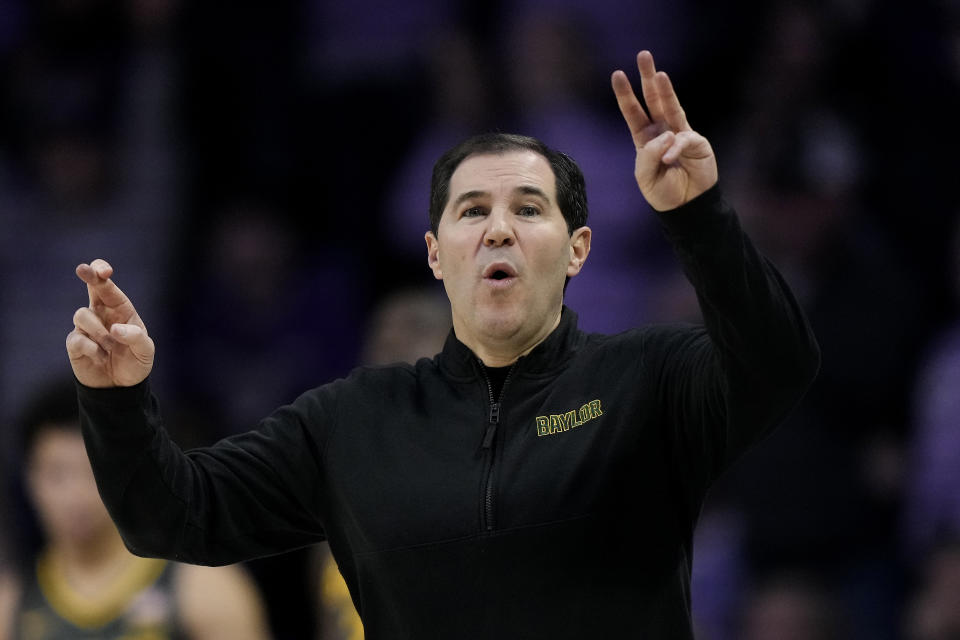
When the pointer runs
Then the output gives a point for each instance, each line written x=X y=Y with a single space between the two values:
x=648 y=85
x=672 y=111
x=650 y=157
x=688 y=144
x=676 y=149
x=135 y=337
x=102 y=268
x=91 y=273
x=80 y=346
x=630 y=107
x=100 y=287
x=87 y=321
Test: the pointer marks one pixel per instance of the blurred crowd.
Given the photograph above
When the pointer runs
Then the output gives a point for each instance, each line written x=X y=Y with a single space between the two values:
x=258 y=176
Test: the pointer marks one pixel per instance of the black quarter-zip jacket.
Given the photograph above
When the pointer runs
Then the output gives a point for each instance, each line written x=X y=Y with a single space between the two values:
x=565 y=508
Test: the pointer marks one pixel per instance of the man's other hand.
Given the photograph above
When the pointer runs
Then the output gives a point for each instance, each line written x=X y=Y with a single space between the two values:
x=674 y=163
x=109 y=345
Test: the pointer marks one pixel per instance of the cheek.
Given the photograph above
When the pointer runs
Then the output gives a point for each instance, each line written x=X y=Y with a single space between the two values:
x=46 y=499
x=456 y=268
x=553 y=260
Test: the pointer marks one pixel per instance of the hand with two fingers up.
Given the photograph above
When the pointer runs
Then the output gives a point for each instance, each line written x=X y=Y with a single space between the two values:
x=674 y=163
x=109 y=345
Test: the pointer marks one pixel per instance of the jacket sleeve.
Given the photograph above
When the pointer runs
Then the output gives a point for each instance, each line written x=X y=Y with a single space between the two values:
x=723 y=386
x=247 y=496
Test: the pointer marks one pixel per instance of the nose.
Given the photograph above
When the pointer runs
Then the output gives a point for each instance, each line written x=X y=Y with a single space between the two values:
x=499 y=231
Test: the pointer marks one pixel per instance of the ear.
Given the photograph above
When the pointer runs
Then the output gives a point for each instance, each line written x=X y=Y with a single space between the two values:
x=433 y=254
x=579 y=250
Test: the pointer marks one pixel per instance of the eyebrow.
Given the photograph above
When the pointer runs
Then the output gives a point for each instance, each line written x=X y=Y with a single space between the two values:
x=468 y=195
x=530 y=190
x=527 y=190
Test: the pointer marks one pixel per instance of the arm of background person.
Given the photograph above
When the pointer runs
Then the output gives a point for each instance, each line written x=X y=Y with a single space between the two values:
x=220 y=603
x=9 y=596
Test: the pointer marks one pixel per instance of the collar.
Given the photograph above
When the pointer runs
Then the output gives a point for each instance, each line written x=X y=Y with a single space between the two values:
x=458 y=361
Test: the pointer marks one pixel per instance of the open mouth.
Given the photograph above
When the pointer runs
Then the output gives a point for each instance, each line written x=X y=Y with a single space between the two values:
x=500 y=275
x=499 y=271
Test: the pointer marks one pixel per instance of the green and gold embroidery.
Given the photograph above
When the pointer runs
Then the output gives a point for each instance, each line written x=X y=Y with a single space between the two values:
x=557 y=423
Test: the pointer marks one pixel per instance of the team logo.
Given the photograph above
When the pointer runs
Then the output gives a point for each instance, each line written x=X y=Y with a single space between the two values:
x=549 y=425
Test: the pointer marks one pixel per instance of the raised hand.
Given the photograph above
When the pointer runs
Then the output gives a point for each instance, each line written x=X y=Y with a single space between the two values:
x=109 y=345
x=674 y=163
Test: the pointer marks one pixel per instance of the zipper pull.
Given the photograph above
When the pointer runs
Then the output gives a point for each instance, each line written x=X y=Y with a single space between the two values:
x=492 y=422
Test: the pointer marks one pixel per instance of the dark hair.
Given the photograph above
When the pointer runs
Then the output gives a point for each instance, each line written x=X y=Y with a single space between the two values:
x=52 y=406
x=571 y=190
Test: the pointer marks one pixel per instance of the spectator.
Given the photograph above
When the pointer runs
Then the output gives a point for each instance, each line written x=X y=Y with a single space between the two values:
x=932 y=505
x=96 y=169
x=790 y=607
x=934 y=613
x=278 y=321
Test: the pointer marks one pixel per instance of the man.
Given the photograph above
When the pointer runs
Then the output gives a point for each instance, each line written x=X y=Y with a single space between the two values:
x=84 y=583
x=531 y=481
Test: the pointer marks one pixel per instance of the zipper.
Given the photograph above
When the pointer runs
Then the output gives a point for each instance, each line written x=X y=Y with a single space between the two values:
x=490 y=432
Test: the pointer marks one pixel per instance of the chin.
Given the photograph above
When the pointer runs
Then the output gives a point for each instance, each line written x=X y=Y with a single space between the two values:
x=500 y=323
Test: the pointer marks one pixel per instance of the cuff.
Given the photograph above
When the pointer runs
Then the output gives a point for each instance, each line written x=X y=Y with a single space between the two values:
x=700 y=218
x=115 y=397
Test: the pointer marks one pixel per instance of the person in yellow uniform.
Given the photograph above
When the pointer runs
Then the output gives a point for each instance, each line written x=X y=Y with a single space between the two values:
x=84 y=583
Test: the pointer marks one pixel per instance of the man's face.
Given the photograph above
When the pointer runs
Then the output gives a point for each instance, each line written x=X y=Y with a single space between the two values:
x=503 y=250
x=62 y=487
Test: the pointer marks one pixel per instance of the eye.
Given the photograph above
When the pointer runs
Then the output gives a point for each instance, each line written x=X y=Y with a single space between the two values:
x=473 y=212
x=528 y=211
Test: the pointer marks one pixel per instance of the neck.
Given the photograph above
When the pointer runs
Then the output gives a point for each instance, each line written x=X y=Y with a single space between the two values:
x=502 y=351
